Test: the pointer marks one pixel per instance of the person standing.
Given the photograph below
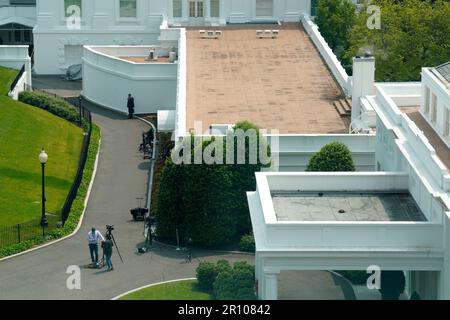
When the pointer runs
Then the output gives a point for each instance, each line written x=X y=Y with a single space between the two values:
x=130 y=106
x=93 y=238
x=107 y=251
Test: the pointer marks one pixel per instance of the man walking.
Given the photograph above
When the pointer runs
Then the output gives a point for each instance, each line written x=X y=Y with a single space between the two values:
x=93 y=238
x=130 y=106
x=107 y=251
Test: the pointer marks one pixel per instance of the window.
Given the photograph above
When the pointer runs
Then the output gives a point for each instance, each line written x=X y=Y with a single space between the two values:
x=17 y=36
x=446 y=121
x=433 y=107
x=27 y=36
x=128 y=9
x=215 y=8
x=427 y=100
x=264 y=8
x=69 y=7
x=177 y=9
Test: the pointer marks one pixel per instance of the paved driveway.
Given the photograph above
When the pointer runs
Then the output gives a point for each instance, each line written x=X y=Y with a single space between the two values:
x=121 y=178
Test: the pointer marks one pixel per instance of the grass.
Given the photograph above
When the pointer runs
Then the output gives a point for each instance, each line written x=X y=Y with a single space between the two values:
x=180 y=290
x=24 y=130
x=7 y=77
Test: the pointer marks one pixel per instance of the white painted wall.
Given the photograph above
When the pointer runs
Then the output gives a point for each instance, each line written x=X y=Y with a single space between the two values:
x=101 y=24
x=22 y=14
x=327 y=54
x=20 y=86
x=295 y=151
x=439 y=92
x=15 y=57
x=153 y=86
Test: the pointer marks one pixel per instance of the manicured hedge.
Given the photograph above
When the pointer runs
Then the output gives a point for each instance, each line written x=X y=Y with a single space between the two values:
x=334 y=156
x=227 y=282
x=54 y=105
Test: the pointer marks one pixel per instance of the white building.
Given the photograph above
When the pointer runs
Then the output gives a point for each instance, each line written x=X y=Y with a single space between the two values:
x=17 y=20
x=397 y=218
x=58 y=44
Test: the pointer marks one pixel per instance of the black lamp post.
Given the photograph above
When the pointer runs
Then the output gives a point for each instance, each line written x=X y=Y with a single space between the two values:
x=80 y=100
x=43 y=157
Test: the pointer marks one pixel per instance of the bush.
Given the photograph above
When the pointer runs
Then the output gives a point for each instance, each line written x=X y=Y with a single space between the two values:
x=334 y=156
x=206 y=275
x=206 y=202
x=355 y=276
x=54 y=105
x=247 y=243
x=236 y=284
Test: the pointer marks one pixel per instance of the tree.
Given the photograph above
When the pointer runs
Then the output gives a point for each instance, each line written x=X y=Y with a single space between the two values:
x=207 y=202
x=334 y=156
x=392 y=284
x=335 y=19
x=413 y=34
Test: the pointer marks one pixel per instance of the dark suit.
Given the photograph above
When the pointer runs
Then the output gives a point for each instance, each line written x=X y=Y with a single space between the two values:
x=130 y=106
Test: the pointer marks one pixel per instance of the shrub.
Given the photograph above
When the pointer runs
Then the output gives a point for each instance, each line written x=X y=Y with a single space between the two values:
x=236 y=284
x=54 y=105
x=355 y=276
x=392 y=284
x=206 y=275
x=334 y=156
x=247 y=243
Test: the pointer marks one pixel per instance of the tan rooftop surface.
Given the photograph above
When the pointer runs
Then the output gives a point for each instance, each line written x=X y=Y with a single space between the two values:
x=275 y=83
x=442 y=151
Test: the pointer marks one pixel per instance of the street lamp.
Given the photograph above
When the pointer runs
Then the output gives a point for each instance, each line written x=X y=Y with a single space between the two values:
x=43 y=157
x=80 y=107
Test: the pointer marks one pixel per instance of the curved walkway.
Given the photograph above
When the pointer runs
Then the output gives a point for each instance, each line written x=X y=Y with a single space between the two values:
x=121 y=178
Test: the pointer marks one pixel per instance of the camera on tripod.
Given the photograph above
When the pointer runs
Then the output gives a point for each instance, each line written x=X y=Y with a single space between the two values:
x=109 y=228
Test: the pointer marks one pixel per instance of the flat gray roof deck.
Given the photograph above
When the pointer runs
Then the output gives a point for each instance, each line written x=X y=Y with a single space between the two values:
x=309 y=206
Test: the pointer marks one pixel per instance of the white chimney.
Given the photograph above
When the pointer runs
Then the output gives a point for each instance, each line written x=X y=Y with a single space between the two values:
x=363 y=81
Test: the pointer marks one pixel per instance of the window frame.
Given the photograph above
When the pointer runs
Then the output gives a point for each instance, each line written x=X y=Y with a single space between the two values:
x=118 y=9
x=211 y=8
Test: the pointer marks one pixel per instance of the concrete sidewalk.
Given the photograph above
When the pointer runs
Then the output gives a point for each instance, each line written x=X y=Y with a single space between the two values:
x=121 y=178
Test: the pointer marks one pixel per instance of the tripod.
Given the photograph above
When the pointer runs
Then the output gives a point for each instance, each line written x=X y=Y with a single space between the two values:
x=109 y=235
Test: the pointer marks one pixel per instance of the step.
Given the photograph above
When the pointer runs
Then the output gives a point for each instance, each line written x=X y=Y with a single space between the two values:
x=345 y=106
x=342 y=112
x=349 y=103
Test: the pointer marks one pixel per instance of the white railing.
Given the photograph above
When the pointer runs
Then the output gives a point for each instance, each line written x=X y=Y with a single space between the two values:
x=96 y=57
x=422 y=236
x=327 y=54
x=180 y=120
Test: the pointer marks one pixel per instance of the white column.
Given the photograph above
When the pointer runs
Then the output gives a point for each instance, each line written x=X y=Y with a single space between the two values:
x=270 y=286
x=444 y=275
x=363 y=82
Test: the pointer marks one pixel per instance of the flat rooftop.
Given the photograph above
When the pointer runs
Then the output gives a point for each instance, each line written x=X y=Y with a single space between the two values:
x=345 y=206
x=275 y=83
x=442 y=150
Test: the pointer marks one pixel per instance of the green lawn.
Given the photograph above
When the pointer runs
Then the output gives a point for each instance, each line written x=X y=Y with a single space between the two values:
x=180 y=290
x=24 y=130
x=7 y=77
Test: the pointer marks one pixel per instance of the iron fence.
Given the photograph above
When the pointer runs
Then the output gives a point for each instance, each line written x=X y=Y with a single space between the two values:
x=17 y=233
